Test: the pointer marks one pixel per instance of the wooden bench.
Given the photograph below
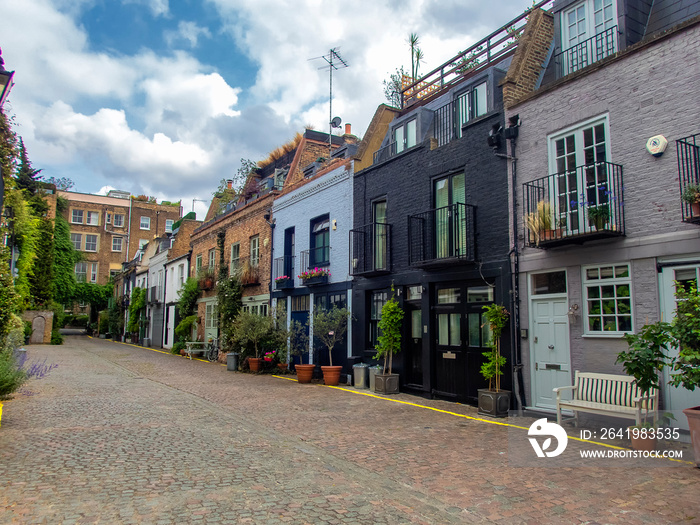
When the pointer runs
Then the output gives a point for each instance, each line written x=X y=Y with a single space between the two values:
x=195 y=347
x=607 y=394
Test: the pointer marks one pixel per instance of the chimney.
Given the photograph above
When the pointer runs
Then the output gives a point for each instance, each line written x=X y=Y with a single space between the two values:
x=347 y=129
x=229 y=183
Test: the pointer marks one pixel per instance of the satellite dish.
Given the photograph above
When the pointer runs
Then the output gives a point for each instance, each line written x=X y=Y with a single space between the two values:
x=336 y=122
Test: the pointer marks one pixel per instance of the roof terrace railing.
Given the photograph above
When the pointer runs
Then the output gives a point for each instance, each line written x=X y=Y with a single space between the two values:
x=498 y=45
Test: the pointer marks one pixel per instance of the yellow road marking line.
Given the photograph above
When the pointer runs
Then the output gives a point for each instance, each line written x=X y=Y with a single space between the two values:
x=608 y=445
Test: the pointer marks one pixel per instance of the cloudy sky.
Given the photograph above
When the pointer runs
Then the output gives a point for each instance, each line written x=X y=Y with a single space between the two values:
x=164 y=97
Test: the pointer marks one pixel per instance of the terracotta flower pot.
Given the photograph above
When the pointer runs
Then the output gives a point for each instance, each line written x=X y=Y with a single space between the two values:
x=693 y=415
x=642 y=443
x=282 y=366
x=331 y=375
x=304 y=373
x=254 y=363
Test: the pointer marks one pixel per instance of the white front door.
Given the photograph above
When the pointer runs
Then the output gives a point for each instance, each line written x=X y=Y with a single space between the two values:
x=549 y=345
x=677 y=398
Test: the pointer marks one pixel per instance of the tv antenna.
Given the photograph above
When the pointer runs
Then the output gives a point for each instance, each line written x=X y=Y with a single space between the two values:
x=334 y=61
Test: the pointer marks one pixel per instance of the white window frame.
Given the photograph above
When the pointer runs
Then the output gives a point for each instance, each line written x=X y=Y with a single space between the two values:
x=198 y=263
x=255 y=250
x=77 y=216
x=118 y=223
x=405 y=135
x=235 y=259
x=577 y=131
x=92 y=218
x=108 y=218
x=116 y=240
x=81 y=269
x=87 y=236
x=604 y=45
x=145 y=223
x=211 y=256
x=79 y=239
x=169 y=225
x=181 y=274
x=616 y=282
x=93 y=272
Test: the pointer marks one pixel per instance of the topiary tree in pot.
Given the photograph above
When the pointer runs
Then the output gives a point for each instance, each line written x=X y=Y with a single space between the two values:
x=492 y=400
x=252 y=329
x=388 y=344
x=330 y=327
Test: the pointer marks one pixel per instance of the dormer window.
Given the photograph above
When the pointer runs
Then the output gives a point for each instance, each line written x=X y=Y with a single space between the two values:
x=588 y=34
x=471 y=104
x=405 y=136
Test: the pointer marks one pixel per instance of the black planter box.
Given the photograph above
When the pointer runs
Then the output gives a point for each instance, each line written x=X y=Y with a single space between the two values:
x=494 y=404
x=386 y=383
x=287 y=284
x=313 y=281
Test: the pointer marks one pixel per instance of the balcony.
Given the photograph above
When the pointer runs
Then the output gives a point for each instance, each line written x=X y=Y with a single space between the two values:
x=385 y=153
x=370 y=249
x=580 y=205
x=587 y=52
x=315 y=260
x=442 y=236
x=284 y=267
x=248 y=270
x=688 y=150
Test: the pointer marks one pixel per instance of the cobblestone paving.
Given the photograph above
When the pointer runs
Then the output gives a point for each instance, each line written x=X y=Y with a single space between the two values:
x=121 y=434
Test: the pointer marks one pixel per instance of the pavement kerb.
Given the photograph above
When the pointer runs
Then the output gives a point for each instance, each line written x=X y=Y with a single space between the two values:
x=447 y=412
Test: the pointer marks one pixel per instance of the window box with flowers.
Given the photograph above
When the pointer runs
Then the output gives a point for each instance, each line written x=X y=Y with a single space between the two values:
x=315 y=277
x=284 y=282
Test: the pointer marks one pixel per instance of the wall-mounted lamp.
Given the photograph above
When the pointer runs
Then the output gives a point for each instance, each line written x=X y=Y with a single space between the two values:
x=573 y=312
x=494 y=138
x=335 y=224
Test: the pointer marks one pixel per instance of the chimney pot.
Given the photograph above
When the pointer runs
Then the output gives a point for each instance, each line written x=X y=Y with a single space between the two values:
x=347 y=129
x=229 y=183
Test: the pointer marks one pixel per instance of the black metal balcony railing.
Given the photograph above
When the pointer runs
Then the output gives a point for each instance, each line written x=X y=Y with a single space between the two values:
x=442 y=235
x=579 y=205
x=315 y=257
x=587 y=52
x=156 y=294
x=284 y=267
x=688 y=149
x=370 y=249
x=384 y=153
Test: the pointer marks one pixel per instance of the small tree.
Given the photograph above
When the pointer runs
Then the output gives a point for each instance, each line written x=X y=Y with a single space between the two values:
x=685 y=329
x=389 y=340
x=251 y=329
x=645 y=357
x=497 y=317
x=393 y=86
x=138 y=302
x=330 y=327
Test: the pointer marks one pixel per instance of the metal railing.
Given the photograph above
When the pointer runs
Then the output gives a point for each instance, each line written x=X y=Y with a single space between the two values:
x=586 y=202
x=284 y=266
x=688 y=149
x=370 y=248
x=587 y=52
x=314 y=257
x=442 y=234
x=495 y=47
x=384 y=153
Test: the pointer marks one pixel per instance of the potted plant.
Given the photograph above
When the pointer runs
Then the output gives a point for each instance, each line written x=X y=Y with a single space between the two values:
x=330 y=327
x=492 y=400
x=685 y=330
x=691 y=195
x=298 y=344
x=251 y=329
x=284 y=282
x=644 y=360
x=540 y=222
x=315 y=276
x=388 y=344
x=599 y=216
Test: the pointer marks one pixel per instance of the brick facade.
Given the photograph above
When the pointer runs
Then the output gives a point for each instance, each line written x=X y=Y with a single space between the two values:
x=157 y=215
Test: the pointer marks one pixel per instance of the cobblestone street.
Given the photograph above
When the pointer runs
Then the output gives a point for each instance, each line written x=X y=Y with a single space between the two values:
x=122 y=434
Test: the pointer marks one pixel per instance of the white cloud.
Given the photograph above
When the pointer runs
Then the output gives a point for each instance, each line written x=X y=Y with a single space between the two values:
x=188 y=32
x=157 y=7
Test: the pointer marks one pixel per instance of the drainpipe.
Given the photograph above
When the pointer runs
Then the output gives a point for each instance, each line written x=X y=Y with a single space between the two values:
x=270 y=223
x=515 y=306
x=128 y=231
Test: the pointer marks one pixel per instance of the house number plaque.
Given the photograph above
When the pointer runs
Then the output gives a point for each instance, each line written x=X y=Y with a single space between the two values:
x=449 y=355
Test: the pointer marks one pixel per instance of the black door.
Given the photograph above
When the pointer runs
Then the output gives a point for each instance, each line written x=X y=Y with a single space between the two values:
x=414 y=329
x=460 y=338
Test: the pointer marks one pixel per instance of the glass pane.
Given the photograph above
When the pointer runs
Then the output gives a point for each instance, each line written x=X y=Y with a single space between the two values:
x=480 y=99
x=474 y=321
x=414 y=293
x=552 y=282
x=622 y=271
x=607 y=291
x=623 y=290
x=411 y=134
x=480 y=294
x=624 y=323
x=455 y=332
x=606 y=273
x=398 y=138
x=448 y=295
x=443 y=329
x=458 y=192
x=594 y=307
x=442 y=195
x=416 y=324
x=485 y=332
